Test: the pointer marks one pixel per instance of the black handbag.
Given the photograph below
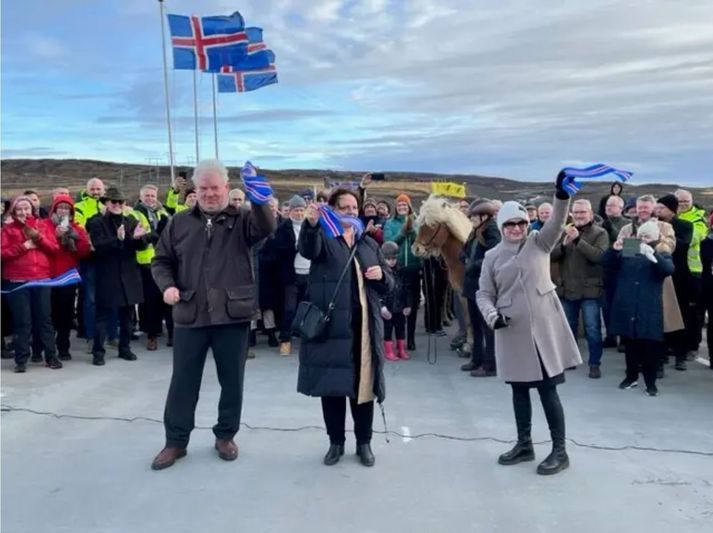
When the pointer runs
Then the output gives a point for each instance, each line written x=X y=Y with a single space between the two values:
x=310 y=321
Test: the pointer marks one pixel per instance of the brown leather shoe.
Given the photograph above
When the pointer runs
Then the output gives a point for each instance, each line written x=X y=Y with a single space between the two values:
x=167 y=457
x=227 y=449
x=152 y=344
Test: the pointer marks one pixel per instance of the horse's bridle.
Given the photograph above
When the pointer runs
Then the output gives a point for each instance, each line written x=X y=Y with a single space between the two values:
x=439 y=227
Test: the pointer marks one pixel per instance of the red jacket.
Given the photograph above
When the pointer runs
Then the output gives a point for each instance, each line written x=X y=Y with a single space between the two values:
x=65 y=259
x=21 y=264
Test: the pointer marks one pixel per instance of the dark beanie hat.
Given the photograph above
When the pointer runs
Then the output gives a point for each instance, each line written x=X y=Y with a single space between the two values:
x=669 y=201
x=390 y=250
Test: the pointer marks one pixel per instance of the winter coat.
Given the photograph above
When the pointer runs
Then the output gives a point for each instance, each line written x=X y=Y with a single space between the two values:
x=481 y=240
x=154 y=226
x=707 y=264
x=286 y=247
x=66 y=258
x=210 y=264
x=672 y=318
x=327 y=365
x=400 y=297
x=392 y=232
x=21 y=264
x=270 y=286
x=118 y=280
x=613 y=226
x=681 y=274
x=581 y=274
x=637 y=311
x=697 y=217
x=515 y=281
x=85 y=209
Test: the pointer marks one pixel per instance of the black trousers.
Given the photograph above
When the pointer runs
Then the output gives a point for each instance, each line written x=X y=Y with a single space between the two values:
x=293 y=295
x=63 y=300
x=642 y=355
x=708 y=303
x=30 y=310
x=334 y=411
x=413 y=284
x=397 y=324
x=690 y=311
x=334 y=408
x=550 y=403
x=435 y=285
x=229 y=344
x=153 y=310
x=104 y=315
x=483 y=353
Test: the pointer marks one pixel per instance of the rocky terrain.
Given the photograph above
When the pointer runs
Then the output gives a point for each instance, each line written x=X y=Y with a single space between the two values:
x=45 y=174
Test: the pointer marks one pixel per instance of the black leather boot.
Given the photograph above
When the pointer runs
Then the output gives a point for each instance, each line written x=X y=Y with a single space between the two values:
x=521 y=452
x=366 y=456
x=334 y=453
x=555 y=461
x=272 y=341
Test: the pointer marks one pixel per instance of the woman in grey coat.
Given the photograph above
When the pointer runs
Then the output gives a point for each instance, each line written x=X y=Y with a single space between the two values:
x=533 y=342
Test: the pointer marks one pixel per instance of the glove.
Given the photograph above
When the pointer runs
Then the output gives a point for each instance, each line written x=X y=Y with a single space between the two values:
x=501 y=322
x=648 y=252
x=561 y=193
x=385 y=314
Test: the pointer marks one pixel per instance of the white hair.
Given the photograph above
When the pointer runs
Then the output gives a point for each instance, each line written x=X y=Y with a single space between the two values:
x=583 y=202
x=89 y=183
x=618 y=199
x=210 y=165
x=148 y=187
x=233 y=192
x=683 y=193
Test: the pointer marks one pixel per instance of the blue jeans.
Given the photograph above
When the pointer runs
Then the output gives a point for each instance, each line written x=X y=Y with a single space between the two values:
x=591 y=313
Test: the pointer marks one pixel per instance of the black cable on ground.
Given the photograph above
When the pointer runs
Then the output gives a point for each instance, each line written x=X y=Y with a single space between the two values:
x=10 y=409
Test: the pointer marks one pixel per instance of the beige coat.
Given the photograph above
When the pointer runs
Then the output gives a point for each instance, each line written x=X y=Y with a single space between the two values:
x=672 y=318
x=515 y=281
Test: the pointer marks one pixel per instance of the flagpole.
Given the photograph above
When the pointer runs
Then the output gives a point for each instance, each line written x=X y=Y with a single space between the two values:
x=195 y=115
x=215 y=119
x=165 y=86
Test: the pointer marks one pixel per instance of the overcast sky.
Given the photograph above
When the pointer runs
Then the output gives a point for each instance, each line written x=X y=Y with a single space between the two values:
x=498 y=88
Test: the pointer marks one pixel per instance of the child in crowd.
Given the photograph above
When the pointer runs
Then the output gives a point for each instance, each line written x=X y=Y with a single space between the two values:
x=395 y=307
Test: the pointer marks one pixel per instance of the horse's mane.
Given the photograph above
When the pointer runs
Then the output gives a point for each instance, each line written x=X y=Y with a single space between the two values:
x=437 y=210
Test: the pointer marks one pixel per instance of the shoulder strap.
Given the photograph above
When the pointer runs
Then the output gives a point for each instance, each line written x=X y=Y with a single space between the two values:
x=330 y=307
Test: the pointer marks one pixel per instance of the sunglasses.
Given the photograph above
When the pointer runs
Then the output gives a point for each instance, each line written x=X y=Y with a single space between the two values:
x=118 y=202
x=518 y=224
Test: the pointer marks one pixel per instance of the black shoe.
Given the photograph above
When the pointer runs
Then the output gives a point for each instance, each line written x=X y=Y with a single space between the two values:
x=252 y=338
x=366 y=456
x=272 y=341
x=652 y=390
x=628 y=384
x=680 y=365
x=98 y=361
x=36 y=358
x=411 y=345
x=128 y=356
x=334 y=453
x=554 y=463
x=53 y=363
x=439 y=333
x=470 y=365
x=609 y=342
x=521 y=452
x=65 y=357
x=20 y=368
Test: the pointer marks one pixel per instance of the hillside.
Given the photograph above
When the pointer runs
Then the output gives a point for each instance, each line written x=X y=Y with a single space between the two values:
x=43 y=175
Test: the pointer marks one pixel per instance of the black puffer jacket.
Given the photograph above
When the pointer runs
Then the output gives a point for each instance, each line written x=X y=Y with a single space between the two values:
x=400 y=297
x=327 y=365
x=473 y=253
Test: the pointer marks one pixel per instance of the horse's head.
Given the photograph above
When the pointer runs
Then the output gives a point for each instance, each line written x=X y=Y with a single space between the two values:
x=430 y=240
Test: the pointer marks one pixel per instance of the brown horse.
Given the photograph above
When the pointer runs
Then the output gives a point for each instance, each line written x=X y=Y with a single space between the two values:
x=442 y=230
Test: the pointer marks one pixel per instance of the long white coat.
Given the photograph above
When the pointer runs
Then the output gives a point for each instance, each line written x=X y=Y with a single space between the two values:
x=515 y=280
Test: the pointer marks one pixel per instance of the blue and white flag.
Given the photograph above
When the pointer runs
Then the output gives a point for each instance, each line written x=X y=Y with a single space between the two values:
x=575 y=178
x=207 y=43
x=71 y=277
x=246 y=80
x=255 y=42
x=257 y=188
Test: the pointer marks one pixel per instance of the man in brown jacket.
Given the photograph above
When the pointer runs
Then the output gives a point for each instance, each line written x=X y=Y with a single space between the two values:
x=203 y=268
x=579 y=254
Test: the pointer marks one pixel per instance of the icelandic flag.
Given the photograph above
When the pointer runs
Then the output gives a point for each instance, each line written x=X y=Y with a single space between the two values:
x=575 y=178
x=71 y=277
x=257 y=187
x=255 y=42
x=207 y=43
x=246 y=80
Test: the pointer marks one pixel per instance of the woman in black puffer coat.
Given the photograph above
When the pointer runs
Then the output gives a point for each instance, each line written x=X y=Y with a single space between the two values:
x=347 y=362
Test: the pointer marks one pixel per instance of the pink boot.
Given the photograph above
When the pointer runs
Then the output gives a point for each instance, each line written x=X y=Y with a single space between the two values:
x=389 y=351
x=401 y=349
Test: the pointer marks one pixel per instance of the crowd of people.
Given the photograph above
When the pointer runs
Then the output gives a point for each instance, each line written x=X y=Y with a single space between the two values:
x=636 y=274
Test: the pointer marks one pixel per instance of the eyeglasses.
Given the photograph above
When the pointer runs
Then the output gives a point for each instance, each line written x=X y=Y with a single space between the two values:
x=518 y=224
